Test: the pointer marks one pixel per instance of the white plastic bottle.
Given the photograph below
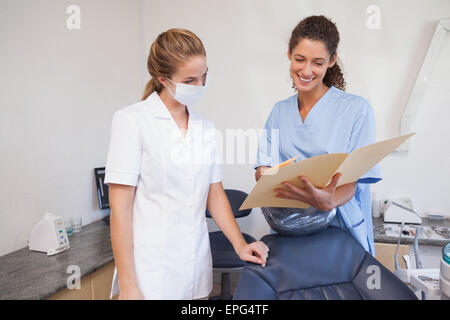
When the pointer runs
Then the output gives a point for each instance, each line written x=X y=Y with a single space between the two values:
x=376 y=205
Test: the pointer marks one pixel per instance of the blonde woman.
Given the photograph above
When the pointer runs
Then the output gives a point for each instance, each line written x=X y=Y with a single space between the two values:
x=162 y=175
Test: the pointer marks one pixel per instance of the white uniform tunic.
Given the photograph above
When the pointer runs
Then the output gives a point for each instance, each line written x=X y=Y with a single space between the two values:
x=172 y=175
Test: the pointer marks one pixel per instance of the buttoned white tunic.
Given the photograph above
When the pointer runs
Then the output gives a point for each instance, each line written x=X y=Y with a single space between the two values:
x=172 y=175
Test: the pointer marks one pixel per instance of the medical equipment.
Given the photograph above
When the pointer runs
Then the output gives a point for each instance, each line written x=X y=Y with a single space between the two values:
x=424 y=280
x=436 y=217
x=409 y=231
x=296 y=221
x=444 y=277
x=188 y=94
x=416 y=249
x=49 y=235
x=399 y=211
x=102 y=192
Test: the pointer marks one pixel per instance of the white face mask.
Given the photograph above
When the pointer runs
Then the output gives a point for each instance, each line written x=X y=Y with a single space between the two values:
x=188 y=94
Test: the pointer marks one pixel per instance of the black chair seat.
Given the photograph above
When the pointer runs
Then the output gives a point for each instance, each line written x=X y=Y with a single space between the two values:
x=223 y=254
x=328 y=265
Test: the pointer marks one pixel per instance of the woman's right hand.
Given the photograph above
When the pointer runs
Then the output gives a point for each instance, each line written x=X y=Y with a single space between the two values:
x=132 y=293
x=260 y=171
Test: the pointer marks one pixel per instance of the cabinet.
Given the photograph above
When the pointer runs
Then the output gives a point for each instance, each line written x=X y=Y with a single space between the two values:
x=384 y=252
x=95 y=286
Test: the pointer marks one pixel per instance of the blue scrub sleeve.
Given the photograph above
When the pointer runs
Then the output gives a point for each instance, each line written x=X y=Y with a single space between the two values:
x=363 y=134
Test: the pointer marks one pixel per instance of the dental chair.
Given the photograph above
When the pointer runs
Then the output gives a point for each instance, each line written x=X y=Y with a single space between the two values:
x=328 y=265
x=224 y=258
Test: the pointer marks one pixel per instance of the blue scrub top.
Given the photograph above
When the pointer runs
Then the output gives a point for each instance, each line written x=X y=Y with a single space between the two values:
x=338 y=123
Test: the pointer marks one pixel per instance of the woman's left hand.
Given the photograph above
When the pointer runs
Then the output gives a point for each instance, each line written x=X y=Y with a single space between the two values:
x=321 y=199
x=256 y=252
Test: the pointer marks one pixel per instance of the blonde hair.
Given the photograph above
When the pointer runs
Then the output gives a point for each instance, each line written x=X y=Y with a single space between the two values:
x=170 y=49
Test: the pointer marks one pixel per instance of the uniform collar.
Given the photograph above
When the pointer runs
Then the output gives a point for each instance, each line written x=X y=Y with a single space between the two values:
x=157 y=107
x=159 y=110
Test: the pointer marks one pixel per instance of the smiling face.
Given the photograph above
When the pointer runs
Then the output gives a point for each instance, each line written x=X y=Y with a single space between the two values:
x=310 y=61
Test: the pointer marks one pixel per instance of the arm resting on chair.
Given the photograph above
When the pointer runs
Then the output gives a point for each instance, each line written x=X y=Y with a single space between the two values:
x=220 y=210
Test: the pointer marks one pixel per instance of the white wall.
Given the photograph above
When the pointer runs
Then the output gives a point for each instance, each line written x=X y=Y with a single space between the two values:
x=58 y=91
x=246 y=43
x=425 y=170
x=59 y=88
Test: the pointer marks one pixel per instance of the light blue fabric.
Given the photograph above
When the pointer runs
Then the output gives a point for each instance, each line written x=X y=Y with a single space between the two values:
x=339 y=122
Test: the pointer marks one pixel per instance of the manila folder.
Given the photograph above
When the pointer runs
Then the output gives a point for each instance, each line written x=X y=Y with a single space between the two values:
x=319 y=170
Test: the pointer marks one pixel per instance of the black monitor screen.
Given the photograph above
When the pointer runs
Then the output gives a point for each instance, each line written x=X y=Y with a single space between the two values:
x=102 y=189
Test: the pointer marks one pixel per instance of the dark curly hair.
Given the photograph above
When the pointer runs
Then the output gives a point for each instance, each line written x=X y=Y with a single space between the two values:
x=322 y=29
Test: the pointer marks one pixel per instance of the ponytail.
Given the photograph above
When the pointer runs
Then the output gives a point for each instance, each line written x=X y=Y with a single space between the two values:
x=335 y=77
x=152 y=85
